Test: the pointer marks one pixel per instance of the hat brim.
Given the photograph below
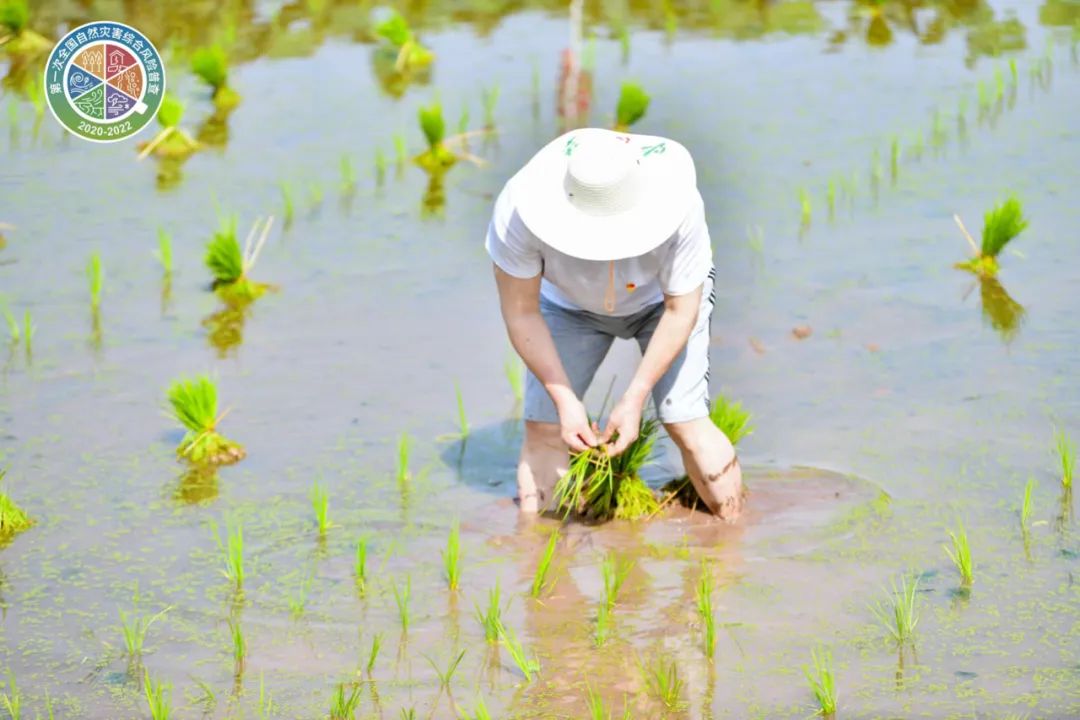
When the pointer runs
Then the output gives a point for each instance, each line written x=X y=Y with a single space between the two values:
x=668 y=186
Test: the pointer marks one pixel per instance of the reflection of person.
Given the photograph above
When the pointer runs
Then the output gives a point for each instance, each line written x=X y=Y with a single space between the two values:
x=603 y=235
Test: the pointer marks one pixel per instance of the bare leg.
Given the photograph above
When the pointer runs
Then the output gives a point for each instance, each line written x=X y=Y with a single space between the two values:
x=712 y=465
x=544 y=458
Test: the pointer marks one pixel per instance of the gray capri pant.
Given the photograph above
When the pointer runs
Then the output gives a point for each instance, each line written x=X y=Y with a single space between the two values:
x=583 y=339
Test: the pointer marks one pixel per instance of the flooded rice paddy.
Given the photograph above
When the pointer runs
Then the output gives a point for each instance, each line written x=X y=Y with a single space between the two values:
x=917 y=399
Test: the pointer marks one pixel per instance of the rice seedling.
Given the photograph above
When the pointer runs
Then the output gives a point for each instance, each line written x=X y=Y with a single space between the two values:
x=515 y=376
x=445 y=676
x=298 y=598
x=320 y=503
x=894 y=158
x=900 y=612
x=239 y=646
x=663 y=681
x=463 y=122
x=1001 y=225
x=541 y=580
x=614 y=570
x=1066 y=452
x=830 y=198
x=704 y=592
x=395 y=30
x=1014 y=74
x=822 y=682
x=463 y=421
x=480 y=712
x=373 y=654
x=171 y=141
x=360 y=564
x=403 y=474
x=437 y=157
x=633 y=102
x=491 y=617
x=601 y=487
x=232 y=552
x=287 y=208
x=526 y=663
x=401 y=599
x=13 y=519
x=400 y=150
x=134 y=629
x=488 y=98
x=452 y=557
x=875 y=168
x=937 y=134
x=343 y=704
x=266 y=703
x=12 y=698
x=158 y=697
x=408 y=713
x=164 y=252
x=28 y=333
x=230 y=265
x=960 y=554
x=380 y=166
x=16 y=37
x=595 y=701
x=95 y=273
x=348 y=174
x=211 y=65
x=603 y=624
x=194 y=404
x=804 y=205
x=14 y=331
x=730 y=418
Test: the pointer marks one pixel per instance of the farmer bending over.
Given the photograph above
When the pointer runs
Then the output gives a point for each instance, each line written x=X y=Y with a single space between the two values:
x=603 y=235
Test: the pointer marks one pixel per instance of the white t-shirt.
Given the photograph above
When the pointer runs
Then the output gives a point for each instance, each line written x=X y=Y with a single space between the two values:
x=678 y=266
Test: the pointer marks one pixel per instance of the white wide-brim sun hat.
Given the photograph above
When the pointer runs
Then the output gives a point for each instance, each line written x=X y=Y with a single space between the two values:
x=597 y=194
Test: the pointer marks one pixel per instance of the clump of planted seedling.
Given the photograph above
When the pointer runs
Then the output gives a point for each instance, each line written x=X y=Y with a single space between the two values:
x=13 y=519
x=804 y=206
x=822 y=682
x=164 y=252
x=158 y=697
x=437 y=157
x=411 y=54
x=704 y=591
x=633 y=102
x=613 y=572
x=287 y=208
x=211 y=65
x=452 y=557
x=380 y=166
x=1065 y=449
x=232 y=554
x=12 y=698
x=401 y=599
x=1001 y=225
x=229 y=264
x=373 y=654
x=960 y=554
x=900 y=612
x=445 y=676
x=662 y=678
x=343 y=705
x=320 y=503
x=1026 y=506
x=194 y=404
x=403 y=475
x=172 y=140
x=298 y=598
x=239 y=646
x=360 y=564
x=491 y=617
x=600 y=487
x=134 y=629
x=527 y=663
x=348 y=174
x=541 y=578
x=95 y=274
x=16 y=37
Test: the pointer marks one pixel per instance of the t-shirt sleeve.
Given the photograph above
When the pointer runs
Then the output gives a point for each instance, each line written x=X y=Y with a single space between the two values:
x=690 y=256
x=509 y=243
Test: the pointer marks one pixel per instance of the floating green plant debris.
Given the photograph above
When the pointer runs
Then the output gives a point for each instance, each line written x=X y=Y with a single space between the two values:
x=663 y=681
x=411 y=54
x=526 y=662
x=211 y=65
x=542 y=581
x=491 y=617
x=229 y=264
x=705 y=608
x=13 y=519
x=437 y=157
x=1065 y=449
x=320 y=503
x=822 y=682
x=195 y=406
x=1001 y=225
x=95 y=273
x=158 y=697
x=600 y=487
x=16 y=37
x=172 y=141
x=452 y=557
x=360 y=564
x=730 y=418
x=960 y=554
x=344 y=703
x=633 y=102
x=900 y=613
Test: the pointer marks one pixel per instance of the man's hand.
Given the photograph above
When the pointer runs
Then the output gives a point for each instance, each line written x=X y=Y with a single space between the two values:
x=574 y=422
x=625 y=421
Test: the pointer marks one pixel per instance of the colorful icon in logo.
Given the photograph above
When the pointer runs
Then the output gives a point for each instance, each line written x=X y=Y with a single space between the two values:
x=104 y=81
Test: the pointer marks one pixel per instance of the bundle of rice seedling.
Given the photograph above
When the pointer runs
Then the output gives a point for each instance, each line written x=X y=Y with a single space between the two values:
x=13 y=519
x=437 y=157
x=633 y=102
x=212 y=66
x=172 y=141
x=1001 y=225
x=230 y=265
x=194 y=405
x=600 y=487
x=16 y=37
x=395 y=30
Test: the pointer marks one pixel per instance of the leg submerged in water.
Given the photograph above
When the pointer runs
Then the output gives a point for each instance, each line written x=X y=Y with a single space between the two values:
x=544 y=458
x=712 y=465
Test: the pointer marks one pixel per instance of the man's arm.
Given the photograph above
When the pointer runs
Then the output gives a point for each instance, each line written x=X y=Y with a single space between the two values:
x=519 y=300
x=668 y=340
